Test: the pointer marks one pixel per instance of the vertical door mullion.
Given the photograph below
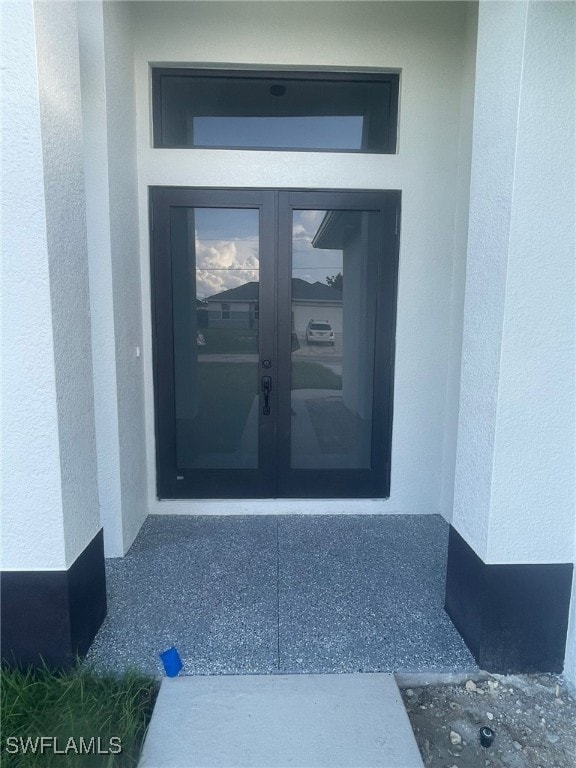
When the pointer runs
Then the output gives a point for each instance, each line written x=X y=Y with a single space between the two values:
x=284 y=331
x=267 y=344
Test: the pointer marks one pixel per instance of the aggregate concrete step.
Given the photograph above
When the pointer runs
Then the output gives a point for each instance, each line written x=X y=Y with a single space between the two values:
x=276 y=721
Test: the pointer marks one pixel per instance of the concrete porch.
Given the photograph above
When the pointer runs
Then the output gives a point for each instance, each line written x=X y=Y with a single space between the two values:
x=281 y=595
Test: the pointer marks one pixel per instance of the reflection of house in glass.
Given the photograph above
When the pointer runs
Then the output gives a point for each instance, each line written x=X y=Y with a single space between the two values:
x=315 y=301
x=236 y=308
x=239 y=308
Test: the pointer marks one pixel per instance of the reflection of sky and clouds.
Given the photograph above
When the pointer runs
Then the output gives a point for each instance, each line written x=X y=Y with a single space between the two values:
x=339 y=132
x=227 y=249
x=308 y=263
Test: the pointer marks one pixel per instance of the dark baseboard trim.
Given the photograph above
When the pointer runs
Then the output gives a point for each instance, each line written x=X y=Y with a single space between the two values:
x=53 y=616
x=514 y=618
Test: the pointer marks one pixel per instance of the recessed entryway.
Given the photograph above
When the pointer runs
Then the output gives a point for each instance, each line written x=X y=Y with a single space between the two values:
x=282 y=594
x=274 y=324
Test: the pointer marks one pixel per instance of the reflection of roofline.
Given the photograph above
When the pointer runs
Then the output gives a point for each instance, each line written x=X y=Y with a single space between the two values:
x=335 y=228
x=326 y=225
x=336 y=302
x=250 y=288
x=302 y=291
x=215 y=300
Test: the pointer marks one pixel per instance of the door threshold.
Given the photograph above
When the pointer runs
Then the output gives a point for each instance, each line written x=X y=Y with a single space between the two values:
x=274 y=507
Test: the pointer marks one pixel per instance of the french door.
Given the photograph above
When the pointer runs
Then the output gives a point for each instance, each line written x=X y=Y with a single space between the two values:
x=273 y=319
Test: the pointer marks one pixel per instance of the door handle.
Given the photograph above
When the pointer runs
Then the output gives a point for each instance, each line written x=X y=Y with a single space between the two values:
x=266 y=387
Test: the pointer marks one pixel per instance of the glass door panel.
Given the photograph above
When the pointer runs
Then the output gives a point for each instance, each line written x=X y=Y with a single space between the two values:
x=336 y=305
x=333 y=311
x=213 y=326
x=273 y=322
x=215 y=283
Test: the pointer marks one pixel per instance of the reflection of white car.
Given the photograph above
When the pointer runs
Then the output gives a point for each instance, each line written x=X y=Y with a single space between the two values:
x=319 y=332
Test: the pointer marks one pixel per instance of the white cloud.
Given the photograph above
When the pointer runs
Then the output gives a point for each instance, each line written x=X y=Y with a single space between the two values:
x=308 y=221
x=224 y=264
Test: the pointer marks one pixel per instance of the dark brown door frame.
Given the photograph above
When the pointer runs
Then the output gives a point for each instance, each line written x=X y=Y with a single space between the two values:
x=274 y=477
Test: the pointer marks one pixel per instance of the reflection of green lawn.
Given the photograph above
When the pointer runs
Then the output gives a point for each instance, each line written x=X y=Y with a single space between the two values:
x=314 y=376
x=227 y=391
x=229 y=340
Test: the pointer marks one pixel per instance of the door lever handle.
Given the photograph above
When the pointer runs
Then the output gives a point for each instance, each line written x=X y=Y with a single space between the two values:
x=266 y=387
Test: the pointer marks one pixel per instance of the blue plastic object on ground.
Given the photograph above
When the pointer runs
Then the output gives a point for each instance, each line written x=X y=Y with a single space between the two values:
x=172 y=661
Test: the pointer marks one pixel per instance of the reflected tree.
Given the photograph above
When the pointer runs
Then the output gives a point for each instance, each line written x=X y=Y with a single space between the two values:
x=336 y=281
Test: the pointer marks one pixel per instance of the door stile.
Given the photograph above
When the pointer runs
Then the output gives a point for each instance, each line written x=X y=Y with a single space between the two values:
x=284 y=333
x=268 y=355
x=162 y=343
x=385 y=349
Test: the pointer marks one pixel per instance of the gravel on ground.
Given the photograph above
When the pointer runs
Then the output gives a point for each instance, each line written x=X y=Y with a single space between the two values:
x=533 y=718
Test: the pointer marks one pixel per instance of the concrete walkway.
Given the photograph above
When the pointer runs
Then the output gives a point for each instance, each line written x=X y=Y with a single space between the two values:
x=276 y=721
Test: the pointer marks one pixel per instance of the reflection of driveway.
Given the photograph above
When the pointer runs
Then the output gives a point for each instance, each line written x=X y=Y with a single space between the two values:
x=226 y=357
x=319 y=353
x=333 y=361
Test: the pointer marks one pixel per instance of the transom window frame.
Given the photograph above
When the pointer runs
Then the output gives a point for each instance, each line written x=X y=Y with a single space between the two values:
x=392 y=77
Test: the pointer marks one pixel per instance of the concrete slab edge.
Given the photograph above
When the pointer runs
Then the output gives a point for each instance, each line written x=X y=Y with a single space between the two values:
x=419 y=679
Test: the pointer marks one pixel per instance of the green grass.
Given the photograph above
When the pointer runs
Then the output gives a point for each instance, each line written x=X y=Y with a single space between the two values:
x=234 y=341
x=314 y=376
x=73 y=704
x=227 y=392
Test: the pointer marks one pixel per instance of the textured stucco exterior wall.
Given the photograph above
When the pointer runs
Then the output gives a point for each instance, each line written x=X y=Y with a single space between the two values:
x=461 y=222
x=110 y=163
x=514 y=494
x=61 y=118
x=95 y=135
x=29 y=414
x=47 y=527
x=124 y=233
x=498 y=76
x=533 y=493
x=426 y=41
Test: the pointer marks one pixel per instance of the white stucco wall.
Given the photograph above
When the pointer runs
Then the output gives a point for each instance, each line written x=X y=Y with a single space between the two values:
x=29 y=416
x=94 y=119
x=461 y=221
x=110 y=165
x=533 y=486
x=427 y=42
x=125 y=250
x=50 y=500
x=514 y=491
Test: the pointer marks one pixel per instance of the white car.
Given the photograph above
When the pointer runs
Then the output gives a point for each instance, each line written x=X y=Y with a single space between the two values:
x=319 y=332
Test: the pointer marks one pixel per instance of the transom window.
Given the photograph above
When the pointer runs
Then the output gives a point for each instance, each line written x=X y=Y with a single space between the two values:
x=314 y=111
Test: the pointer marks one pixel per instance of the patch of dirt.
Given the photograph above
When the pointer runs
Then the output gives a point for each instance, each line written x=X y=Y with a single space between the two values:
x=533 y=717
